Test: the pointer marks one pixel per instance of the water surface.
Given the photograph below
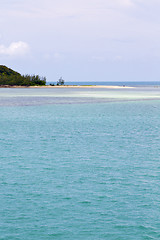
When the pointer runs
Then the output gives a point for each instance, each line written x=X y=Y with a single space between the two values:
x=79 y=171
x=41 y=96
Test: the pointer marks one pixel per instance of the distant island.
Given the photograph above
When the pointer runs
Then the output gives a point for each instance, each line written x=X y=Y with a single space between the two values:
x=9 y=77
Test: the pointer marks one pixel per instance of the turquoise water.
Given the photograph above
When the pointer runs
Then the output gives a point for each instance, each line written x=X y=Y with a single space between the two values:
x=142 y=84
x=88 y=168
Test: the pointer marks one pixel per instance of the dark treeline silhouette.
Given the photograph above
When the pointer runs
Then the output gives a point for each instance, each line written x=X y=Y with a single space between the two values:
x=12 y=78
x=25 y=80
x=60 y=82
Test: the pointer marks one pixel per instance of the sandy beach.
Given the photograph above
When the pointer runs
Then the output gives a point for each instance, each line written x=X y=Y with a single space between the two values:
x=69 y=86
x=82 y=86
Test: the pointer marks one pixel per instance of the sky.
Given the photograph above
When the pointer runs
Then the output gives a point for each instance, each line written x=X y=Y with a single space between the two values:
x=82 y=40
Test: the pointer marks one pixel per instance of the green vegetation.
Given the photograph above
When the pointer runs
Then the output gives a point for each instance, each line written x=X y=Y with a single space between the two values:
x=60 y=82
x=11 y=78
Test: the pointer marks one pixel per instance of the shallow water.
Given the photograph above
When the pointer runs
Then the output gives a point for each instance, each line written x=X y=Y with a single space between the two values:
x=79 y=171
x=42 y=96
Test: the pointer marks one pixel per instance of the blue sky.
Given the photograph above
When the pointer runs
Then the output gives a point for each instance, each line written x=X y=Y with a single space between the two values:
x=82 y=40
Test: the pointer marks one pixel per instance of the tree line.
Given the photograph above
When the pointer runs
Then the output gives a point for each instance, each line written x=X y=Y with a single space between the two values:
x=22 y=80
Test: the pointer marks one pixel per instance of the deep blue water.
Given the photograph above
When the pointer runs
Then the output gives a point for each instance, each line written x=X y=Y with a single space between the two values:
x=79 y=171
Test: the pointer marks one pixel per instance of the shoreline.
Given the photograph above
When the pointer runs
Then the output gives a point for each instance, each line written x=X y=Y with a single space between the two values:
x=70 y=86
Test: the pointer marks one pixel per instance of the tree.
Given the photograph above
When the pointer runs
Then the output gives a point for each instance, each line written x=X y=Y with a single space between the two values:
x=60 y=81
x=11 y=78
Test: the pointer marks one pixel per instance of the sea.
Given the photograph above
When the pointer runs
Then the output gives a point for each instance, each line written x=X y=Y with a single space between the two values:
x=115 y=83
x=80 y=163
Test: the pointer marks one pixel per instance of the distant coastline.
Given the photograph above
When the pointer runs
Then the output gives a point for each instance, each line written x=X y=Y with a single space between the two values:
x=113 y=83
x=67 y=86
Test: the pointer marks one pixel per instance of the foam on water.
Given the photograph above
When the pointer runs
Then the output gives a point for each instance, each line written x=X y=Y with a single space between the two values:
x=41 y=96
x=79 y=171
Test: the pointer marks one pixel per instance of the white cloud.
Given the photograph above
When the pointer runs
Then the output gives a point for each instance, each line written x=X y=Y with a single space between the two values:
x=15 y=49
x=78 y=32
x=61 y=8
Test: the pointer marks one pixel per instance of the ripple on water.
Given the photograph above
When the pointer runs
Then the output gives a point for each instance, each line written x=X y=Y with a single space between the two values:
x=80 y=171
